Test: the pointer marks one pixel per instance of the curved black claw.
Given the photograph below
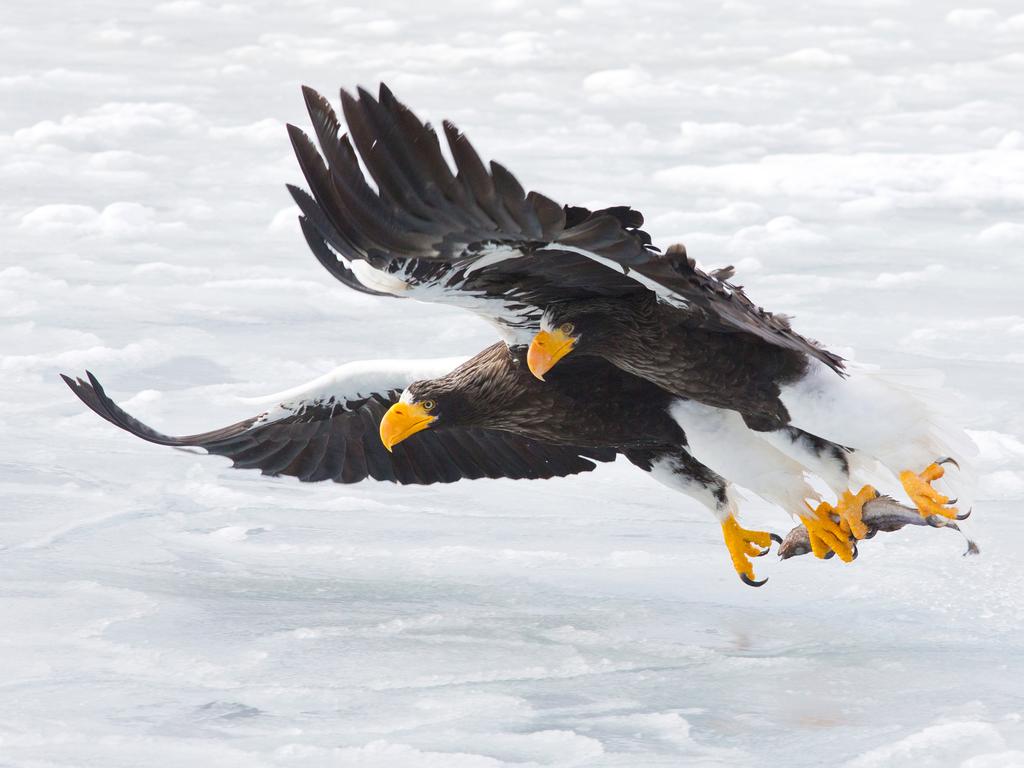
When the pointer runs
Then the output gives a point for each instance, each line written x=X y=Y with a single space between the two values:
x=965 y=515
x=829 y=555
x=751 y=583
x=953 y=501
x=855 y=553
x=872 y=532
x=947 y=460
x=772 y=537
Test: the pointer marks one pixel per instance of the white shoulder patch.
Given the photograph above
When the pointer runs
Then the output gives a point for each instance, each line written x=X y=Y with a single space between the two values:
x=355 y=381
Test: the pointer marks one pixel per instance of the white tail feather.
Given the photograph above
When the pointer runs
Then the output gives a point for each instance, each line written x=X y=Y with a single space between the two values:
x=902 y=418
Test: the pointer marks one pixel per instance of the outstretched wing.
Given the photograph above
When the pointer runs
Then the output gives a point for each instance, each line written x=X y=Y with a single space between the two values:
x=328 y=430
x=476 y=239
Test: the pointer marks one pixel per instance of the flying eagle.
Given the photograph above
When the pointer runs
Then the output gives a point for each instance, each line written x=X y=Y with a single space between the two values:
x=474 y=238
x=594 y=283
x=487 y=417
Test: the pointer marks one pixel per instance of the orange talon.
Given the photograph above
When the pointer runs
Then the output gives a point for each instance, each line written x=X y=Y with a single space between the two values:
x=929 y=501
x=742 y=545
x=850 y=509
x=826 y=535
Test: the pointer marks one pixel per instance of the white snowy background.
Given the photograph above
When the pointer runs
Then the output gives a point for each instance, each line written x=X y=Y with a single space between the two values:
x=861 y=161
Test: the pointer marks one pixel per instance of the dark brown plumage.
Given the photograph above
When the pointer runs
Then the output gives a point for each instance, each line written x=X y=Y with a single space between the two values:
x=664 y=345
x=586 y=403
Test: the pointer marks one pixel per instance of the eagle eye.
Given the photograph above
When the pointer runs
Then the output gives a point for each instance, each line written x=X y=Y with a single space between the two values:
x=567 y=328
x=428 y=405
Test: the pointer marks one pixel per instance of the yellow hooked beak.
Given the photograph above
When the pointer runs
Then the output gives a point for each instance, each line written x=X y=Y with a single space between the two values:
x=546 y=349
x=402 y=420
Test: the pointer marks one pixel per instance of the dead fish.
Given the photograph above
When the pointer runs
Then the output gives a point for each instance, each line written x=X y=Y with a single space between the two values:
x=881 y=514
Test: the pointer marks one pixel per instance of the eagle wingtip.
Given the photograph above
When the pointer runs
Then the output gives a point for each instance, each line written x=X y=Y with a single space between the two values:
x=298 y=137
x=348 y=101
x=364 y=95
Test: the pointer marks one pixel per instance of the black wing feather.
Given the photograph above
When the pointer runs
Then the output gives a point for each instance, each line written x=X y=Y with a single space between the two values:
x=428 y=212
x=724 y=306
x=422 y=211
x=340 y=442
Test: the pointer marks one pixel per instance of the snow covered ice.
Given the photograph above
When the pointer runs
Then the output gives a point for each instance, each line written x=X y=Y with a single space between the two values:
x=860 y=162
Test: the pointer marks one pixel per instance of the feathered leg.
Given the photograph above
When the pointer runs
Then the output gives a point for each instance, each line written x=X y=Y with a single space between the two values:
x=678 y=470
x=830 y=462
x=773 y=464
x=896 y=417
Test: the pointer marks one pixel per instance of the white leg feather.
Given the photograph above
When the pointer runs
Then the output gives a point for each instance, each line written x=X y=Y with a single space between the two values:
x=666 y=471
x=832 y=470
x=721 y=440
x=899 y=418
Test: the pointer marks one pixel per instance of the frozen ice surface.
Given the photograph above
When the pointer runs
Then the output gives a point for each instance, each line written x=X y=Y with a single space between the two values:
x=861 y=163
